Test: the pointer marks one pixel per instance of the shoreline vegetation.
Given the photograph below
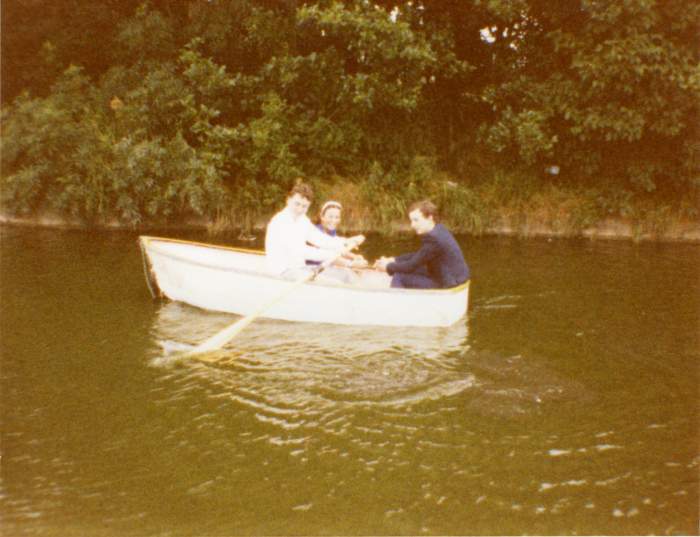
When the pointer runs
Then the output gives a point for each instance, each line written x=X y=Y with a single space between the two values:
x=545 y=212
x=524 y=118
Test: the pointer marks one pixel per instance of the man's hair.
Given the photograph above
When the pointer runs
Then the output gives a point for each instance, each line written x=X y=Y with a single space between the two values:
x=304 y=190
x=426 y=207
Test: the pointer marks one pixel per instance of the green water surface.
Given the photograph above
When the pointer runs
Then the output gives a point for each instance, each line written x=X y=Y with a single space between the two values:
x=565 y=403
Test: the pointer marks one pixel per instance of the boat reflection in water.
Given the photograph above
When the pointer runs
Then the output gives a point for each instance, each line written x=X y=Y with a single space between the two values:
x=282 y=365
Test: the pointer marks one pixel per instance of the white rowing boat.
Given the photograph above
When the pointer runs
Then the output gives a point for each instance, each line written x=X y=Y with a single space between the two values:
x=234 y=280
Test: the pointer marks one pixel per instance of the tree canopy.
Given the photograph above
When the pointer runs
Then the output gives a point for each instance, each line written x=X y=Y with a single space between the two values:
x=157 y=109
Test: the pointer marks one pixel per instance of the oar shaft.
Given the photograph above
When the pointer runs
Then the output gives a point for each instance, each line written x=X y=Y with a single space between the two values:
x=222 y=337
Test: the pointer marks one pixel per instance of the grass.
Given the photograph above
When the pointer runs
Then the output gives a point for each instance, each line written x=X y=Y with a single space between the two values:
x=500 y=204
x=510 y=204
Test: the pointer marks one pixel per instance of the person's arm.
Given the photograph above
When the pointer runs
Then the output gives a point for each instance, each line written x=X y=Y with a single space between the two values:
x=353 y=242
x=351 y=260
x=320 y=246
x=405 y=257
x=429 y=250
x=382 y=262
x=311 y=253
x=318 y=238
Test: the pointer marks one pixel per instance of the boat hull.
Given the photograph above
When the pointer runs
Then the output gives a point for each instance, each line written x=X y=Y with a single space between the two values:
x=233 y=280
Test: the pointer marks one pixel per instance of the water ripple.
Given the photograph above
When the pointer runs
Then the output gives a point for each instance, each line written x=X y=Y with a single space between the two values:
x=277 y=368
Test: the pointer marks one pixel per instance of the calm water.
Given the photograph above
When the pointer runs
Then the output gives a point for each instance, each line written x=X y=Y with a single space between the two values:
x=567 y=401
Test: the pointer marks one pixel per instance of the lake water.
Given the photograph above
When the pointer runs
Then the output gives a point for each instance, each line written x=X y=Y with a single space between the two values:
x=565 y=403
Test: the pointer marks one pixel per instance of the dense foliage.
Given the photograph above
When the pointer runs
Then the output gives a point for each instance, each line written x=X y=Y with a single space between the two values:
x=153 y=111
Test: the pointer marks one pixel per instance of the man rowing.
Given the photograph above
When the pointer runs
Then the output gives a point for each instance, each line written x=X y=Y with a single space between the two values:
x=291 y=239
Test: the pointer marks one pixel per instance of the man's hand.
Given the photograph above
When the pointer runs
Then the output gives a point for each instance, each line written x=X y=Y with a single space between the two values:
x=382 y=262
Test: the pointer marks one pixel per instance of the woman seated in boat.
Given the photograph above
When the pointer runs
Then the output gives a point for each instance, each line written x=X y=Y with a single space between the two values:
x=329 y=219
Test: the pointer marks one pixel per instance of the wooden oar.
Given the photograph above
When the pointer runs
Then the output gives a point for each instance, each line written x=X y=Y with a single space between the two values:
x=221 y=338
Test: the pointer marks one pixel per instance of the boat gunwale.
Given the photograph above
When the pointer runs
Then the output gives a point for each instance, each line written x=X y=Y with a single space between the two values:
x=340 y=285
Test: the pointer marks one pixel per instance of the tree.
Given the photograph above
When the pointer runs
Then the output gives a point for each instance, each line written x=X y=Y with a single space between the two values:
x=603 y=89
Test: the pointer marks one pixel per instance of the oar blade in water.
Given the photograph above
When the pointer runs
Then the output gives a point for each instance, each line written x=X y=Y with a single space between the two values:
x=220 y=339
